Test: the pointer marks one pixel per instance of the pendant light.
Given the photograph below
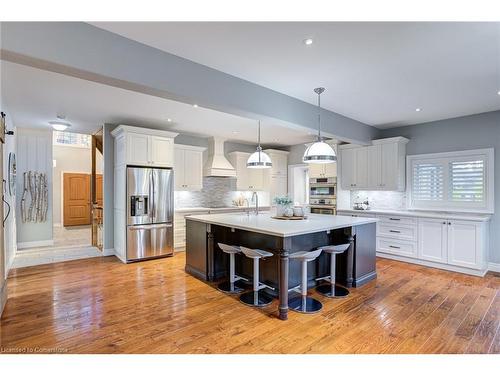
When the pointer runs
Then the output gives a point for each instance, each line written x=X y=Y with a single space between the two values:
x=259 y=159
x=319 y=152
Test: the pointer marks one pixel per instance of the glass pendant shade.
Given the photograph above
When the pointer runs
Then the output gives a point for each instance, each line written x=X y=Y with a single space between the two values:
x=320 y=153
x=259 y=159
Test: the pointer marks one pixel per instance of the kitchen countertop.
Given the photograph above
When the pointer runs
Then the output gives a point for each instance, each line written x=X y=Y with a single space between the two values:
x=418 y=213
x=216 y=209
x=265 y=224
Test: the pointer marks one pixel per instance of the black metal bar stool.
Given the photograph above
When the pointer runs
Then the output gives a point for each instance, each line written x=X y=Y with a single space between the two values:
x=330 y=289
x=255 y=297
x=231 y=286
x=304 y=304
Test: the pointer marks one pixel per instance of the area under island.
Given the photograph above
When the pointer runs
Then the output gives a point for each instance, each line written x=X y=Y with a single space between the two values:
x=207 y=262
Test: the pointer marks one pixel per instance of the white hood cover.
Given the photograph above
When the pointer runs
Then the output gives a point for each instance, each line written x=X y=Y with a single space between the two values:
x=217 y=165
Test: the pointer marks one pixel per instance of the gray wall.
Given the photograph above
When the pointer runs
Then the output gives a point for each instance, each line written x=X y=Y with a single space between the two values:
x=85 y=51
x=458 y=134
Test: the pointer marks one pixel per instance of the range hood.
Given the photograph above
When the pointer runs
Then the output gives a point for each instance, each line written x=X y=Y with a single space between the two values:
x=217 y=165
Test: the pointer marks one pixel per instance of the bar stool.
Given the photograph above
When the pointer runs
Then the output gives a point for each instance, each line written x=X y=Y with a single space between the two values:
x=254 y=298
x=231 y=286
x=304 y=304
x=330 y=289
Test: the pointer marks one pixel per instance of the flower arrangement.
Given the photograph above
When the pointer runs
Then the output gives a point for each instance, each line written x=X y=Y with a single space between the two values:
x=284 y=200
x=283 y=205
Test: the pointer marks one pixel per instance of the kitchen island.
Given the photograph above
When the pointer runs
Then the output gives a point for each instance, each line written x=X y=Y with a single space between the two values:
x=207 y=262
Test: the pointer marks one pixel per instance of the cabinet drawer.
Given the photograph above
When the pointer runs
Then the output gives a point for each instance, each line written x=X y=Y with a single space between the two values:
x=394 y=219
x=402 y=232
x=398 y=247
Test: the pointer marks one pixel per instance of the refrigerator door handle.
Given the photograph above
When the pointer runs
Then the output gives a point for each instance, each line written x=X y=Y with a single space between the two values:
x=150 y=226
x=152 y=194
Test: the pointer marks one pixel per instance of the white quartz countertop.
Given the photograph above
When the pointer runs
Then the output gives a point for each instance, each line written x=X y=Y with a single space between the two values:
x=264 y=223
x=418 y=213
x=217 y=209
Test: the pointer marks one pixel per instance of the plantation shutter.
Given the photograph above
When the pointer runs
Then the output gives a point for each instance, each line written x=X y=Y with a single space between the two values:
x=466 y=181
x=428 y=181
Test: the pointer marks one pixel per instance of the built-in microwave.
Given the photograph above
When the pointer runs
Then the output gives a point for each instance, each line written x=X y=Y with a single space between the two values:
x=323 y=188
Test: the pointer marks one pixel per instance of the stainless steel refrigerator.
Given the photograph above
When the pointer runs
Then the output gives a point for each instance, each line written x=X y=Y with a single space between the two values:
x=150 y=211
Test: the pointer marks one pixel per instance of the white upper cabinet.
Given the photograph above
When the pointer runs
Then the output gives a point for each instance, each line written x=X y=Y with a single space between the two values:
x=161 y=151
x=322 y=170
x=280 y=162
x=188 y=167
x=143 y=147
x=137 y=150
x=348 y=168
x=247 y=179
x=378 y=167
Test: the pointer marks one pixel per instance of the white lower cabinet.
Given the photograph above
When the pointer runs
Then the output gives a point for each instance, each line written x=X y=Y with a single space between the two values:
x=398 y=247
x=432 y=240
x=457 y=245
x=465 y=243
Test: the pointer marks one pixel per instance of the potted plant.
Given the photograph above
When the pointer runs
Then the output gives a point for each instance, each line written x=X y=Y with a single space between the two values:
x=283 y=204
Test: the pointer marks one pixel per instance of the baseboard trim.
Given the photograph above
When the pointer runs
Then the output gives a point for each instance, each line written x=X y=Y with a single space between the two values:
x=28 y=245
x=446 y=267
x=494 y=267
x=3 y=297
x=108 y=252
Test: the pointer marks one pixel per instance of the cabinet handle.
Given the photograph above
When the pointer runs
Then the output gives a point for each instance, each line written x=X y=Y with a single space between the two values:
x=444 y=222
x=394 y=231
x=394 y=219
x=449 y=223
x=395 y=247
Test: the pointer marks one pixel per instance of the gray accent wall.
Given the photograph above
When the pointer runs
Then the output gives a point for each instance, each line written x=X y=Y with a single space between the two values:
x=85 y=51
x=458 y=134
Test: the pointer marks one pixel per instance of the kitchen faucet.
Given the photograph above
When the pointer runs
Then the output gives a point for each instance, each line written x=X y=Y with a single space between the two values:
x=255 y=197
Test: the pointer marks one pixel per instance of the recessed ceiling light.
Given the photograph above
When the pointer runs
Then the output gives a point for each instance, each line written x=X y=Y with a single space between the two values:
x=235 y=132
x=418 y=109
x=195 y=105
x=308 y=41
x=498 y=92
x=169 y=120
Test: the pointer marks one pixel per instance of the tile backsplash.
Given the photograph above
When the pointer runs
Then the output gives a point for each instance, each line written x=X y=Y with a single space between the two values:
x=216 y=192
x=383 y=200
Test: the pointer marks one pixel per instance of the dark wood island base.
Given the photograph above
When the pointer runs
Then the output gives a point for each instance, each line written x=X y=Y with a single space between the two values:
x=205 y=261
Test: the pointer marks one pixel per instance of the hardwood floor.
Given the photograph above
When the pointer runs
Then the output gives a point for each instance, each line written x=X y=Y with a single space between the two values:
x=100 y=305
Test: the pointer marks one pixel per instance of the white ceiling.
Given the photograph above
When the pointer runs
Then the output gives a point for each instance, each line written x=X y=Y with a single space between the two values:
x=377 y=73
x=34 y=97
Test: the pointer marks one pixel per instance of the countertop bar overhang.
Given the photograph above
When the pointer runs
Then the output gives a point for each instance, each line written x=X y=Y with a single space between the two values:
x=264 y=223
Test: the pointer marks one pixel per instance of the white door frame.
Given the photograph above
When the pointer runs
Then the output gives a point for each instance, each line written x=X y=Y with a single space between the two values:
x=291 y=170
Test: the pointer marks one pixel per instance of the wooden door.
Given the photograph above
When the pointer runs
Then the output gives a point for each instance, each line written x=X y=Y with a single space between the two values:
x=98 y=190
x=76 y=207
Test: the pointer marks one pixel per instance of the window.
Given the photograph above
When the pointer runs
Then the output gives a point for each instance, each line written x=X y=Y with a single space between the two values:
x=452 y=181
x=71 y=139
